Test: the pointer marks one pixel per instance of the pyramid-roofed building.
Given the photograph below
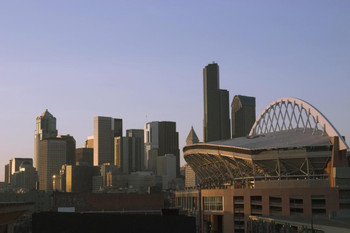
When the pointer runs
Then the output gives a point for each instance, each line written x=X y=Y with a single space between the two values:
x=192 y=137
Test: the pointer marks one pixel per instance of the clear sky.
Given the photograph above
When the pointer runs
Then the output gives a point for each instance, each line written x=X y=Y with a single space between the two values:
x=142 y=61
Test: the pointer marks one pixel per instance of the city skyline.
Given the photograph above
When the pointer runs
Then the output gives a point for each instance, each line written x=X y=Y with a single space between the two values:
x=145 y=63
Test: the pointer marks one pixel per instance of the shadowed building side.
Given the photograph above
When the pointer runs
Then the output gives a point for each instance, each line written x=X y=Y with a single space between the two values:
x=52 y=157
x=216 y=123
x=242 y=115
x=161 y=138
x=71 y=148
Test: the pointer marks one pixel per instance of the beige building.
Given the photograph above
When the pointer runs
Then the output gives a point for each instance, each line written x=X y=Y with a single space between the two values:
x=89 y=143
x=52 y=157
x=191 y=180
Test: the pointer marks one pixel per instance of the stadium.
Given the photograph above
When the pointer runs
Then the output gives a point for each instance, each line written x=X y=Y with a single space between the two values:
x=293 y=162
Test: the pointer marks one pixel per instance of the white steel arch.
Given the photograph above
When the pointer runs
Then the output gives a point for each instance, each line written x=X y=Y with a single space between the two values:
x=294 y=113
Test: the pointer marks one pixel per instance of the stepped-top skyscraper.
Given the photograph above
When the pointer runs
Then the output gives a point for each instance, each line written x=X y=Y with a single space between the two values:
x=45 y=128
x=216 y=124
x=242 y=115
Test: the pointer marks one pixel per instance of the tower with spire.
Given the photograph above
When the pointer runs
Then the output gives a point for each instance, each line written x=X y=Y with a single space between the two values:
x=192 y=137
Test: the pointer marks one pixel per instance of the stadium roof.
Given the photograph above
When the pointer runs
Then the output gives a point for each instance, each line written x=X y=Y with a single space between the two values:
x=277 y=140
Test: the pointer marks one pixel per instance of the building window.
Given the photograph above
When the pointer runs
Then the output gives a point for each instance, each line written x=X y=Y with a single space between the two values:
x=213 y=203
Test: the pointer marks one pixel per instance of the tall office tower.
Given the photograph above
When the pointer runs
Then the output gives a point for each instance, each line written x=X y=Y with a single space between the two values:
x=84 y=155
x=161 y=138
x=192 y=137
x=70 y=153
x=105 y=130
x=138 y=149
x=216 y=124
x=243 y=115
x=52 y=157
x=129 y=151
x=45 y=128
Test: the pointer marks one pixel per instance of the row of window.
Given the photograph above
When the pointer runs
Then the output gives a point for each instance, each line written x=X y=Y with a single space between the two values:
x=212 y=203
x=296 y=204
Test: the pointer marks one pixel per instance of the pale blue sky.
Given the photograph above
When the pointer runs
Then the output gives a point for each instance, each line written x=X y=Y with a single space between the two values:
x=142 y=61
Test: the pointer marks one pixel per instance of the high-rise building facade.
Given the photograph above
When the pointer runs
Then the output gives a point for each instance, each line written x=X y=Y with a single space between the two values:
x=105 y=130
x=71 y=147
x=45 y=128
x=52 y=157
x=216 y=124
x=161 y=138
x=84 y=155
x=129 y=151
x=242 y=115
x=138 y=149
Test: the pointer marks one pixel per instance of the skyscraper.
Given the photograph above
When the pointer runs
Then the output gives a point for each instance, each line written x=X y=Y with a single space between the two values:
x=71 y=147
x=52 y=157
x=138 y=148
x=243 y=115
x=129 y=151
x=45 y=128
x=105 y=130
x=161 y=138
x=216 y=124
x=84 y=155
